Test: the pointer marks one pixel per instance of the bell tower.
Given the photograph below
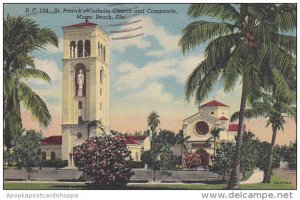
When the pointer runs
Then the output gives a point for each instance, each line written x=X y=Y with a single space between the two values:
x=85 y=82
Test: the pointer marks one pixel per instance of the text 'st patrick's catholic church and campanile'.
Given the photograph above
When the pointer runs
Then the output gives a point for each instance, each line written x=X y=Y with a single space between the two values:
x=85 y=83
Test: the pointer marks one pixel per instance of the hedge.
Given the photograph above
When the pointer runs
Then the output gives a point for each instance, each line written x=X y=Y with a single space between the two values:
x=55 y=163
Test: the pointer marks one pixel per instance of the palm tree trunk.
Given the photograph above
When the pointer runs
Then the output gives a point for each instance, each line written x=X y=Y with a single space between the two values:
x=235 y=173
x=268 y=170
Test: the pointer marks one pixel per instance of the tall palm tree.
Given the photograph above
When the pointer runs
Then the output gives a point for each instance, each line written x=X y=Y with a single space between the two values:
x=273 y=110
x=215 y=134
x=244 y=40
x=21 y=36
x=153 y=122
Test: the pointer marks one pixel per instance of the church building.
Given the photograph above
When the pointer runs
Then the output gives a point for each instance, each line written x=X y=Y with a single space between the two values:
x=211 y=115
x=85 y=83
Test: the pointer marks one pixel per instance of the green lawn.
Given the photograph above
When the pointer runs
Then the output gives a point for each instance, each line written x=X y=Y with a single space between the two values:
x=276 y=183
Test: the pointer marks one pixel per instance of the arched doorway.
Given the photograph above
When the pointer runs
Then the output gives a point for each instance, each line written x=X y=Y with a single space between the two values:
x=52 y=155
x=204 y=156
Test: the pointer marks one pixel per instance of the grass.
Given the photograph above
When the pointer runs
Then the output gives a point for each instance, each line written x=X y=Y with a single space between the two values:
x=276 y=184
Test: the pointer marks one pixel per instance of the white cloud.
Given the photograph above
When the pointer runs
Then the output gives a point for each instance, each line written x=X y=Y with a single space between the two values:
x=133 y=77
x=166 y=40
x=50 y=67
x=52 y=49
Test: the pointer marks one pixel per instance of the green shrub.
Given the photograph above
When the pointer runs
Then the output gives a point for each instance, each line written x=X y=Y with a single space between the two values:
x=136 y=164
x=55 y=163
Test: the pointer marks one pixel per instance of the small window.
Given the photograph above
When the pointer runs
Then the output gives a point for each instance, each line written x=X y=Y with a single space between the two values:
x=44 y=155
x=213 y=113
x=104 y=54
x=79 y=135
x=79 y=104
x=52 y=155
x=101 y=76
x=80 y=120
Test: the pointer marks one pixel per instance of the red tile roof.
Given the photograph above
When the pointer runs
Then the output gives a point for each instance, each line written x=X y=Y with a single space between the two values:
x=214 y=103
x=52 y=140
x=86 y=23
x=138 y=137
x=234 y=127
x=223 y=118
x=127 y=141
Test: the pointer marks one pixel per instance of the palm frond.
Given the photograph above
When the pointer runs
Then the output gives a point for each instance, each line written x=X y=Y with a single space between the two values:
x=199 y=32
x=31 y=73
x=216 y=10
x=286 y=17
x=33 y=102
x=282 y=87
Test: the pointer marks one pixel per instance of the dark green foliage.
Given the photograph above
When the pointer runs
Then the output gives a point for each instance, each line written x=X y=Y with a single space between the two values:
x=223 y=160
x=55 y=163
x=291 y=155
x=249 y=154
x=165 y=138
x=27 y=151
x=136 y=164
x=167 y=160
x=263 y=154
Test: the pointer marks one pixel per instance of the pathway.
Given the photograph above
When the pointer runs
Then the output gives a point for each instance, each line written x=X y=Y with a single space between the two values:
x=257 y=177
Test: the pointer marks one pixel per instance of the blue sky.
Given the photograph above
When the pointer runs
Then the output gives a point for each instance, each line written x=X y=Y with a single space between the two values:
x=147 y=72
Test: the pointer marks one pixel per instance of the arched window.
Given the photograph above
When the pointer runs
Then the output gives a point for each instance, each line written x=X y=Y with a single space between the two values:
x=80 y=120
x=44 y=155
x=104 y=54
x=79 y=104
x=72 y=49
x=99 y=50
x=101 y=76
x=52 y=155
x=80 y=49
x=87 y=48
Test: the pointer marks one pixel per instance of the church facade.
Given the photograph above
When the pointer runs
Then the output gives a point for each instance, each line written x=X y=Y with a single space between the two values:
x=85 y=83
x=198 y=127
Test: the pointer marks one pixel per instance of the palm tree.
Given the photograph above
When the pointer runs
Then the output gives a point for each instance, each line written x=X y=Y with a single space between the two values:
x=92 y=125
x=21 y=36
x=153 y=122
x=244 y=41
x=182 y=140
x=274 y=111
x=215 y=134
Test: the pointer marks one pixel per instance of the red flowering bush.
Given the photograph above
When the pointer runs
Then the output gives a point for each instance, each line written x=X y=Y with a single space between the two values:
x=103 y=161
x=192 y=160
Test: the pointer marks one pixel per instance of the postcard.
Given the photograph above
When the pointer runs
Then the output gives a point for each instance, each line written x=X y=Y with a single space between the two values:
x=125 y=96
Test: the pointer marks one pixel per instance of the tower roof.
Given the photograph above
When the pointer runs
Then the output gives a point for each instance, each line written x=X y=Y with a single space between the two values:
x=86 y=23
x=223 y=118
x=214 y=103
